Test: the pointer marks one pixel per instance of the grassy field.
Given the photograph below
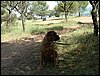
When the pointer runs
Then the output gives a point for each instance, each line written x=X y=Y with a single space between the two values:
x=81 y=57
x=31 y=28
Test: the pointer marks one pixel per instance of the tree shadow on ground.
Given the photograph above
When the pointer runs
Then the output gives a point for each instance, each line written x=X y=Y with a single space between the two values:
x=19 y=57
x=82 y=59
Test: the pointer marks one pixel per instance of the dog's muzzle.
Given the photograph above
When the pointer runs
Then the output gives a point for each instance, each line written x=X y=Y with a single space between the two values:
x=57 y=38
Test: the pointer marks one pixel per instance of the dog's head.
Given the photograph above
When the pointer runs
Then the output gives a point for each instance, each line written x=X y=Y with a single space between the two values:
x=52 y=36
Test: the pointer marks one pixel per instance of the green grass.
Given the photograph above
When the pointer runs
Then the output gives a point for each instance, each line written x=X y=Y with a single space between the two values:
x=31 y=28
x=81 y=58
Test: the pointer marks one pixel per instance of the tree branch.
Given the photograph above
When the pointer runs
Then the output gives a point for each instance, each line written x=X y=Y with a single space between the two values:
x=69 y=6
x=61 y=5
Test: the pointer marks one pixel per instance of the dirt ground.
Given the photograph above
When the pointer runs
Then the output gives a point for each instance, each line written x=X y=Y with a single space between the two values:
x=56 y=20
x=83 y=19
x=21 y=57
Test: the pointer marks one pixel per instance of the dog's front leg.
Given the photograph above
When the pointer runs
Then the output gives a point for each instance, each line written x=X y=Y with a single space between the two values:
x=41 y=62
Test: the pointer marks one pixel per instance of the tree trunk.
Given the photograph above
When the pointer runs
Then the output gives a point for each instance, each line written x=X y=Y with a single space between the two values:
x=8 y=19
x=65 y=15
x=79 y=14
x=79 y=9
x=23 y=25
x=94 y=18
x=65 y=11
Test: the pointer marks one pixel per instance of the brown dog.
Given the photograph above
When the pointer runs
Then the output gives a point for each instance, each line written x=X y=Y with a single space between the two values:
x=48 y=53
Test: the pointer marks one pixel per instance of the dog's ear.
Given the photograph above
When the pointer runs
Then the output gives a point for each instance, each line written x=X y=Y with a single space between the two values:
x=51 y=33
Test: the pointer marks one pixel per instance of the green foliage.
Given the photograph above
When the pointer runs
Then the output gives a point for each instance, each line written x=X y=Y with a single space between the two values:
x=29 y=17
x=37 y=29
x=39 y=8
x=4 y=15
x=82 y=4
x=73 y=7
x=12 y=19
x=57 y=14
x=8 y=17
x=55 y=28
x=13 y=26
x=22 y=7
x=58 y=7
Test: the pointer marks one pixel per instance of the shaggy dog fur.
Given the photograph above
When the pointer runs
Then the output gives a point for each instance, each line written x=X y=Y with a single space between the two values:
x=48 y=53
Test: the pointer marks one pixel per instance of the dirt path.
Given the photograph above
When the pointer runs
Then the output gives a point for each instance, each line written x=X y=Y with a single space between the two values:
x=83 y=19
x=48 y=21
x=56 y=20
x=19 y=57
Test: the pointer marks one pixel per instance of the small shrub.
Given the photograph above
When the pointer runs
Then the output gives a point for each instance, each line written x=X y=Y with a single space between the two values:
x=55 y=28
x=36 y=29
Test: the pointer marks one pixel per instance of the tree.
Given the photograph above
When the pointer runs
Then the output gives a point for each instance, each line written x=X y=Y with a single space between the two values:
x=74 y=8
x=42 y=11
x=57 y=11
x=39 y=8
x=33 y=8
x=22 y=9
x=66 y=7
x=20 y=6
x=6 y=11
x=81 y=6
x=51 y=13
x=94 y=16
